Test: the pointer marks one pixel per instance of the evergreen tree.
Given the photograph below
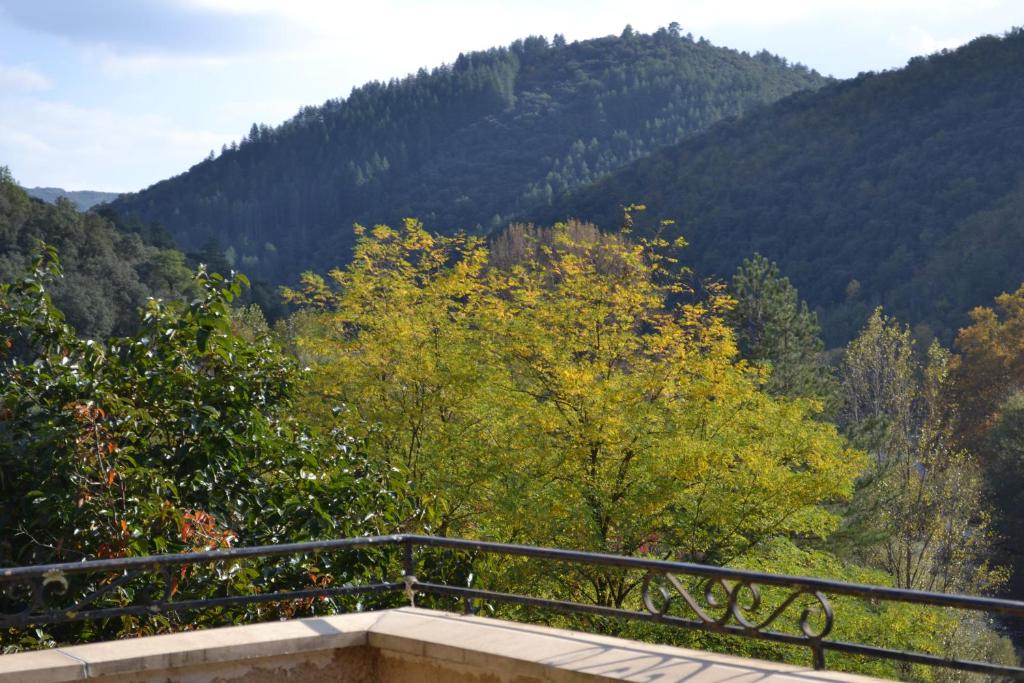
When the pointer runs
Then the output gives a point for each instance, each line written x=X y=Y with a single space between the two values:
x=775 y=328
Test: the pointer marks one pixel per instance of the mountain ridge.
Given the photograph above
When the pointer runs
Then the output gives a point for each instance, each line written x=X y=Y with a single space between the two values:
x=83 y=199
x=468 y=145
x=871 y=191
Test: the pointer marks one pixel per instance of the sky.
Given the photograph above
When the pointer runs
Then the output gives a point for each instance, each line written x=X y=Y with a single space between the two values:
x=115 y=95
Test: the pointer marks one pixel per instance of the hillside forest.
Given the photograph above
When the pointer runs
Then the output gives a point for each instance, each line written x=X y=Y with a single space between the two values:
x=902 y=189
x=804 y=354
x=899 y=189
x=468 y=145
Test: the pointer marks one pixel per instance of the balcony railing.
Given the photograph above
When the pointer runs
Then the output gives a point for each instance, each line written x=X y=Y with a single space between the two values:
x=680 y=594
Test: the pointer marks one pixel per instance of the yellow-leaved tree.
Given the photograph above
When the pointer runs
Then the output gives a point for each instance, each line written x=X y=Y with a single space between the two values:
x=627 y=421
x=582 y=395
x=992 y=367
x=391 y=344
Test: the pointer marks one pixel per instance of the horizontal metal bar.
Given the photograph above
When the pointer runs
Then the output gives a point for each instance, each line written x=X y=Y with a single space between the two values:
x=171 y=607
x=922 y=658
x=991 y=605
x=12 y=574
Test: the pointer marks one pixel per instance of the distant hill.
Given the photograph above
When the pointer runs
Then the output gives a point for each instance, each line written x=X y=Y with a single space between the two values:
x=467 y=145
x=83 y=199
x=109 y=271
x=903 y=188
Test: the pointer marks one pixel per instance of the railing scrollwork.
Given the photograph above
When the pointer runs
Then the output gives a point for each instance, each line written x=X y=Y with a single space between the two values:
x=741 y=603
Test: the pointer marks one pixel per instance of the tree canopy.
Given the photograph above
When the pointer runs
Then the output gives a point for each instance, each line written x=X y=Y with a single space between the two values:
x=180 y=437
x=576 y=389
x=565 y=400
x=988 y=386
x=774 y=326
x=109 y=270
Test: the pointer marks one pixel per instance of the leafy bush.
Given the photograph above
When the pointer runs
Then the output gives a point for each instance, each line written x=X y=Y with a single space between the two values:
x=180 y=437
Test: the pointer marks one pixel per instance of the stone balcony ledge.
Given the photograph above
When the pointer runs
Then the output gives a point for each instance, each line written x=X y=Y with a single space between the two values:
x=406 y=644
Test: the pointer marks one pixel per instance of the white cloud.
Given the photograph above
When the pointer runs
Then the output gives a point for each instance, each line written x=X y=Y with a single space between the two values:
x=142 y=35
x=390 y=19
x=918 y=41
x=707 y=13
x=14 y=140
x=23 y=77
x=75 y=147
x=389 y=38
x=116 y=64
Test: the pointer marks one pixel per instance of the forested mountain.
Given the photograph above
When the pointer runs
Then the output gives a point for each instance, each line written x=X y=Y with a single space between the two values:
x=903 y=188
x=83 y=199
x=109 y=270
x=468 y=145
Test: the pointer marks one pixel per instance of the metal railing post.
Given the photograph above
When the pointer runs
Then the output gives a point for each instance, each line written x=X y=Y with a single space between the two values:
x=818 y=654
x=409 y=571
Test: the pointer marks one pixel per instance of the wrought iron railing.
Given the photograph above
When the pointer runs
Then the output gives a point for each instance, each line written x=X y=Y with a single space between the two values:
x=681 y=594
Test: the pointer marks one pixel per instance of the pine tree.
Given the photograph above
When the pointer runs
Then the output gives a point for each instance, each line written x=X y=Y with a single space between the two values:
x=774 y=327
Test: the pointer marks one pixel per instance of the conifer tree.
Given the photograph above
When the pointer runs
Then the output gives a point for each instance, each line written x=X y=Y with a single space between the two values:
x=774 y=327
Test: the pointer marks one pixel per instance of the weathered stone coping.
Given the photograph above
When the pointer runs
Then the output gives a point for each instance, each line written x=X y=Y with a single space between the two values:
x=404 y=644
